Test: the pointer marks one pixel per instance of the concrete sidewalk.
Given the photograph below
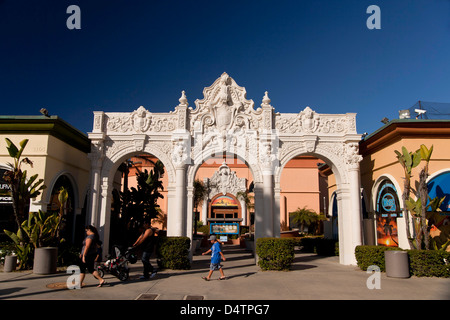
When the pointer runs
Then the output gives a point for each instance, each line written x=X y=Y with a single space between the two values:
x=311 y=278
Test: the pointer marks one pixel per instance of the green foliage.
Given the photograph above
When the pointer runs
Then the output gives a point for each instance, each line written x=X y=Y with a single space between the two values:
x=275 y=253
x=319 y=245
x=41 y=228
x=371 y=255
x=305 y=217
x=429 y=263
x=22 y=248
x=200 y=192
x=140 y=203
x=22 y=188
x=422 y=263
x=418 y=208
x=173 y=253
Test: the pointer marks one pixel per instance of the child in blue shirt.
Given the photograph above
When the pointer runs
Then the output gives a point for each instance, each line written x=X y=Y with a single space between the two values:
x=215 y=258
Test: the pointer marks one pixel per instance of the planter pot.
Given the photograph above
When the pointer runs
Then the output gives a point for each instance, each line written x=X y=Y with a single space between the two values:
x=45 y=260
x=397 y=264
x=10 y=263
x=289 y=234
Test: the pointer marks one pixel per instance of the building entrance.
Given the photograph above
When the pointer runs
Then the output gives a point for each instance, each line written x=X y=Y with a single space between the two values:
x=224 y=208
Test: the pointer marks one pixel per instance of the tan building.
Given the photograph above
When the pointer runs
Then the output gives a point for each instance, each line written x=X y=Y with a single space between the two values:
x=382 y=175
x=59 y=155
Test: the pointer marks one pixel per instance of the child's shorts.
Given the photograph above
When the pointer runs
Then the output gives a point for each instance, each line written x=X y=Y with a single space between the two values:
x=215 y=266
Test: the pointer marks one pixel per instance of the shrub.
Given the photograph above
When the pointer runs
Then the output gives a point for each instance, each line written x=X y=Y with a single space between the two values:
x=422 y=263
x=275 y=253
x=309 y=244
x=429 y=263
x=321 y=246
x=371 y=255
x=173 y=253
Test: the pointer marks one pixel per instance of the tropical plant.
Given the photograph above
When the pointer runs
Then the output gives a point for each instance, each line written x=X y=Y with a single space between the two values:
x=304 y=217
x=143 y=199
x=408 y=161
x=422 y=208
x=63 y=195
x=23 y=248
x=161 y=218
x=137 y=204
x=200 y=191
x=41 y=228
x=22 y=188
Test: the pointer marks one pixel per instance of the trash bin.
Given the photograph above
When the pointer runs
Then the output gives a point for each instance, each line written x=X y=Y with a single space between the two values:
x=45 y=260
x=10 y=263
x=397 y=263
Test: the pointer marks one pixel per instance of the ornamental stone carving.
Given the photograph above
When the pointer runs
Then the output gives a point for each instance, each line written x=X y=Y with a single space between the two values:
x=224 y=107
x=225 y=123
x=225 y=181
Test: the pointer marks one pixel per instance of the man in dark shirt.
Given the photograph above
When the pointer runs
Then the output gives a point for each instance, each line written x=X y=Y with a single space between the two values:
x=147 y=242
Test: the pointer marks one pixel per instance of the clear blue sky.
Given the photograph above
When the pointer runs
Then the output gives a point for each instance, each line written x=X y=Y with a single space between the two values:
x=143 y=52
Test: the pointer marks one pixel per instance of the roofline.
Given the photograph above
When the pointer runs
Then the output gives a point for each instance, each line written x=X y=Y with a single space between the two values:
x=400 y=128
x=53 y=125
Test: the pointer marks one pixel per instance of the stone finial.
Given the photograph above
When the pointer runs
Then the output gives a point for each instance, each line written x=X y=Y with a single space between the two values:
x=183 y=99
x=266 y=100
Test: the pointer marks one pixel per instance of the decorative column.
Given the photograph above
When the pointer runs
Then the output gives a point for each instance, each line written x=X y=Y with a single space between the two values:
x=104 y=220
x=276 y=211
x=354 y=199
x=176 y=219
x=96 y=156
x=266 y=160
x=205 y=203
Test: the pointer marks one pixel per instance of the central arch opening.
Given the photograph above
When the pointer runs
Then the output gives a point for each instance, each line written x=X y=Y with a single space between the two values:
x=225 y=207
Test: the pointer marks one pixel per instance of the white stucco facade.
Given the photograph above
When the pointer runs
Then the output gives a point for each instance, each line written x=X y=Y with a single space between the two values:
x=224 y=121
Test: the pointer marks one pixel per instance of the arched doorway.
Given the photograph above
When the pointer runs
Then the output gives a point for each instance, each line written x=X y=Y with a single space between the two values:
x=68 y=225
x=224 y=208
x=344 y=163
x=387 y=211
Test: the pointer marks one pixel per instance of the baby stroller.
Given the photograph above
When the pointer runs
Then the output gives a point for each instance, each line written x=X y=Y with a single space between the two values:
x=118 y=266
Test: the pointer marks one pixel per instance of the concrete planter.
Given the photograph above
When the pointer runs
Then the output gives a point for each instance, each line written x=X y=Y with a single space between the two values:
x=45 y=260
x=10 y=263
x=397 y=264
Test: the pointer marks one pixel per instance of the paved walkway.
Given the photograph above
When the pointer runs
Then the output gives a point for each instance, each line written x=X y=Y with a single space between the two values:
x=312 y=278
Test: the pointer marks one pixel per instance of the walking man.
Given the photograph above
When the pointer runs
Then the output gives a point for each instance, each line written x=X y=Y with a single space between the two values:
x=147 y=242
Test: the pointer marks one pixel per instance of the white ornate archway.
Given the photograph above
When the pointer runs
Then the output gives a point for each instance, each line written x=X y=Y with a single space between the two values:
x=225 y=122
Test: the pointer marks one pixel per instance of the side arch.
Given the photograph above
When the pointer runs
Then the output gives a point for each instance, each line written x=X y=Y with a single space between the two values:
x=348 y=194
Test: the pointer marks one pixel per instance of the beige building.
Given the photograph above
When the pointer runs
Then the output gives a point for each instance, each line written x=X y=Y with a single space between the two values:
x=382 y=175
x=59 y=155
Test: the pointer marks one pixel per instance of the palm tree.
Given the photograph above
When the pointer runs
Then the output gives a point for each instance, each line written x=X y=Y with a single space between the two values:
x=200 y=191
x=304 y=217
